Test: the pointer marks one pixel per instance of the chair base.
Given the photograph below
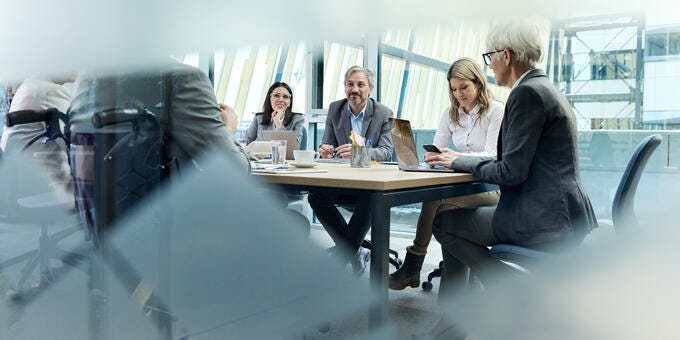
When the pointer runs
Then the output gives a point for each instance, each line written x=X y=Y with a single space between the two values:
x=427 y=285
x=40 y=258
x=393 y=254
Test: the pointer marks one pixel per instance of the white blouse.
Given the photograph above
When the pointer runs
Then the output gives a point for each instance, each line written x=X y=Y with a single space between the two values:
x=473 y=139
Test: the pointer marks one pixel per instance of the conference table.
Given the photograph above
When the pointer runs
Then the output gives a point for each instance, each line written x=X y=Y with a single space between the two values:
x=386 y=187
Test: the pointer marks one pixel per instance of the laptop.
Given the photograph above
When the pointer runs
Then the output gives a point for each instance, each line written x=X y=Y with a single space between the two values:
x=287 y=135
x=405 y=148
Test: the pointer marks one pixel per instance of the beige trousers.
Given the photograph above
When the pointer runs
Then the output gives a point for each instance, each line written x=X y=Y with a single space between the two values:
x=432 y=208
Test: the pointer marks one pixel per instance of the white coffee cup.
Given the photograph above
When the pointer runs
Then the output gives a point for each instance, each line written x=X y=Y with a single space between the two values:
x=305 y=156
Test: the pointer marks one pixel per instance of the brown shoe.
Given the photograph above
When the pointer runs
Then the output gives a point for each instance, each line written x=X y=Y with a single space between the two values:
x=408 y=275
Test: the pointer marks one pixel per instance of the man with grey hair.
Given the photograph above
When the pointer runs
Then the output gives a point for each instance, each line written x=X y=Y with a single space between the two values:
x=371 y=120
x=360 y=114
x=543 y=204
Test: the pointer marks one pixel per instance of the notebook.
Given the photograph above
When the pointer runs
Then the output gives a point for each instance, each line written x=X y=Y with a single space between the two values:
x=405 y=148
x=287 y=135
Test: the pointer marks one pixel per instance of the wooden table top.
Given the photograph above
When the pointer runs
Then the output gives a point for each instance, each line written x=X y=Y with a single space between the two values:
x=378 y=177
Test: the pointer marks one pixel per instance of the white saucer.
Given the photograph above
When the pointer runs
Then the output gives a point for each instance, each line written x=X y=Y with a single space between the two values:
x=303 y=165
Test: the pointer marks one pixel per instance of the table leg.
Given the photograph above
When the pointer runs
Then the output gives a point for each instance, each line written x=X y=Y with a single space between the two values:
x=380 y=239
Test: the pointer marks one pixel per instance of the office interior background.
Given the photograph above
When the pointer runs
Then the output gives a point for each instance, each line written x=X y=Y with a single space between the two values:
x=618 y=66
x=618 y=71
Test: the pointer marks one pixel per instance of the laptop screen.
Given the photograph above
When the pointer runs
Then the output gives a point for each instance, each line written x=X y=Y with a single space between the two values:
x=404 y=145
x=287 y=135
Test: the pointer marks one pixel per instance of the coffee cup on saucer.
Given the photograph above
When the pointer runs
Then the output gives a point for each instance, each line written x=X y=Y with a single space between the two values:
x=305 y=156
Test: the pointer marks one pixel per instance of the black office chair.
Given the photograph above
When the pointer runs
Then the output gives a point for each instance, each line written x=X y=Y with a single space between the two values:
x=623 y=213
x=303 y=139
x=128 y=165
x=39 y=208
x=393 y=255
x=623 y=205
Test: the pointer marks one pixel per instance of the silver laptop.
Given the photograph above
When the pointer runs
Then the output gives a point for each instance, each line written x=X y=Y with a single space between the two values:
x=287 y=135
x=405 y=148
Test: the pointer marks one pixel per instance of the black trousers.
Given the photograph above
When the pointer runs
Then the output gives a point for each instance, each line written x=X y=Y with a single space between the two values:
x=464 y=235
x=347 y=236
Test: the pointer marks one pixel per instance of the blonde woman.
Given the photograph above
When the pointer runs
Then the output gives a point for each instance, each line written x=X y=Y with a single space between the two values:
x=472 y=123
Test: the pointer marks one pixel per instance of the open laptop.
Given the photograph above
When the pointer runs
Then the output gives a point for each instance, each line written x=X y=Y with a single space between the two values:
x=287 y=135
x=405 y=148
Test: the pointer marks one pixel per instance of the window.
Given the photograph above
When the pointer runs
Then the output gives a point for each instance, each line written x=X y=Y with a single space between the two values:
x=391 y=83
x=662 y=44
x=338 y=58
x=414 y=66
x=243 y=76
x=427 y=96
x=613 y=65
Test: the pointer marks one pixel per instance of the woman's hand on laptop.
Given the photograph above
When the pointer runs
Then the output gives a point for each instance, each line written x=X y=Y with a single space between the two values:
x=444 y=158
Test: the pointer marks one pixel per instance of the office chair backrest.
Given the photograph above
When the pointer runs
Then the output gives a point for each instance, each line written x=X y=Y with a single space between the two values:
x=128 y=165
x=623 y=207
x=303 y=139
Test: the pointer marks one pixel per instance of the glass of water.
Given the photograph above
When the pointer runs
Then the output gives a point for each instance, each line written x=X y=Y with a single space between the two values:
x=280 y=153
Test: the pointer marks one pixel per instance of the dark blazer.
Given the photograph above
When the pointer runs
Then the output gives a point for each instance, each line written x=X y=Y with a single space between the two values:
x=542 y=198
x=376 y=126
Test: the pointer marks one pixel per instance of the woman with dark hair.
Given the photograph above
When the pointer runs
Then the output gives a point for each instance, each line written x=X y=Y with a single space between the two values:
x=276 y=114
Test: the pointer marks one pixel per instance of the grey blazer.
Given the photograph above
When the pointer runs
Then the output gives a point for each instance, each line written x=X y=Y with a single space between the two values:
x=376 y=126
x=255 y=129
x=194 y=117
x=542 y=198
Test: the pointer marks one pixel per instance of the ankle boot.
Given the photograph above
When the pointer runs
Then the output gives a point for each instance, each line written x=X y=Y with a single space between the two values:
x=409 y=272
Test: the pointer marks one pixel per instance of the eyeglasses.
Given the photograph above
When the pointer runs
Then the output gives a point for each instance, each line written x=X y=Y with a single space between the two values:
x=279 y=96
x=487 y=56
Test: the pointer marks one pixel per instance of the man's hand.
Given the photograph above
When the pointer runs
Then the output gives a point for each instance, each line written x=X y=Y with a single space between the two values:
x=326 y=151
x=444 y=158
x=344 y=151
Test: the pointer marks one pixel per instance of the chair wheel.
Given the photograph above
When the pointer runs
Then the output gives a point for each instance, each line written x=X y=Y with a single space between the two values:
x=427 y=286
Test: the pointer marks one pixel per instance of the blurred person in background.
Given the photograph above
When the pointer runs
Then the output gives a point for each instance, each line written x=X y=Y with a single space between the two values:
x=6 y=94
x=229 y=117
x=41 y=94
x=180 y=97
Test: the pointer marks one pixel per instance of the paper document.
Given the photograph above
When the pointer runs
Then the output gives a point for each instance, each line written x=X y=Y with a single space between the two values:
x=286 y=170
